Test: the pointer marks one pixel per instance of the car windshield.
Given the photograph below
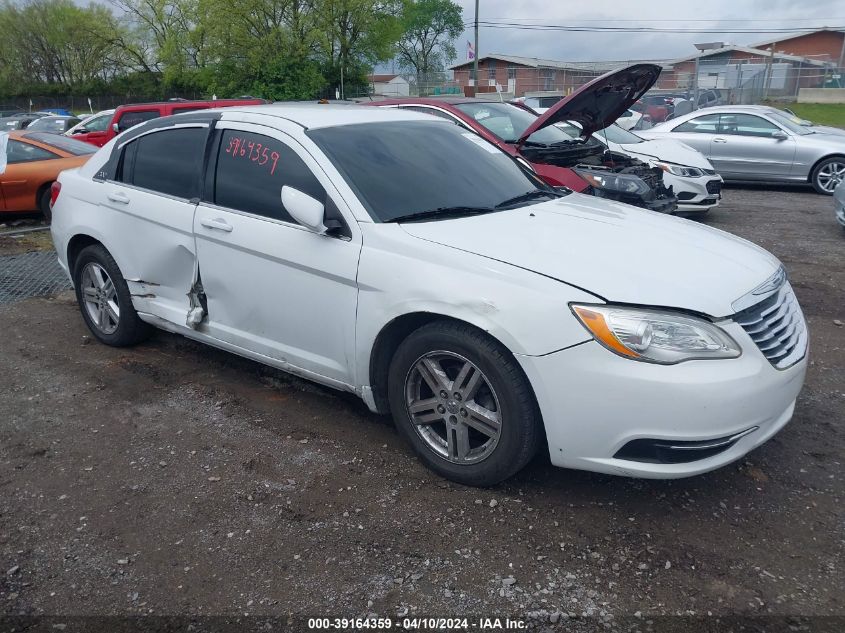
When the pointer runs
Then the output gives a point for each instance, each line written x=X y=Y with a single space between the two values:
x=508 y=122
x=618 y=135
x=790 y=122
x=401 y=168
x=63 y=143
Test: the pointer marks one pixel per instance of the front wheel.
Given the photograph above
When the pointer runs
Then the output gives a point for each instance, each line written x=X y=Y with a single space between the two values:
x=463 y=402
x=828 y=174
x=104 y=299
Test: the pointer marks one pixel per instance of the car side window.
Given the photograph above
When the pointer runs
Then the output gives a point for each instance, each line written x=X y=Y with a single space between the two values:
x=169 y=161
x=17 y=152
x=746 y=125
x=707 y=124
x=253 y=168
x=133 y=118
x=97 y=123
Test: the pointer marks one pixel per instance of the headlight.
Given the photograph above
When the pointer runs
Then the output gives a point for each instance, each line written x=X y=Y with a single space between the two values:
x=681 y=170
x=655 y=336
x=609 y=181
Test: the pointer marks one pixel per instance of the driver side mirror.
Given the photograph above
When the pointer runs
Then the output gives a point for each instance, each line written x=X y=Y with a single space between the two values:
x=306 y=210
x=780 y=135
x=80 y=130
x=116 y=128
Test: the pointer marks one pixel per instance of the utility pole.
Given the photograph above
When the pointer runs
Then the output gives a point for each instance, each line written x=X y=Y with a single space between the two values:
x=475 y=58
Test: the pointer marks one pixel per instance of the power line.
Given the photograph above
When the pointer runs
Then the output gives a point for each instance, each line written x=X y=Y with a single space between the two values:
x=638 y=29
x=647 y=20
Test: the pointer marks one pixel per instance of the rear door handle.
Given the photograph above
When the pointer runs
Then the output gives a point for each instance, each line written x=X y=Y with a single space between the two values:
x=118 y=197
x=720 y=140
x=218 y=224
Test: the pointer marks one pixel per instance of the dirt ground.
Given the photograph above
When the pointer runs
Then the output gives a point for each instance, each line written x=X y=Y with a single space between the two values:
x=175 y=479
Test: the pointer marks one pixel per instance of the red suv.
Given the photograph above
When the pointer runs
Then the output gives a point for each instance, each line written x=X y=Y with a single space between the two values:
x=127 y=116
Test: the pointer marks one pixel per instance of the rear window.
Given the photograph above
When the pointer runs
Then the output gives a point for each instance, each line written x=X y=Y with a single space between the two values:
x=69 y=145
x=168 y=161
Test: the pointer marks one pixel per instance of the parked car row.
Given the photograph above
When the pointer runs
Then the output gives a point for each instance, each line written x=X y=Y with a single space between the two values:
x=42 y=144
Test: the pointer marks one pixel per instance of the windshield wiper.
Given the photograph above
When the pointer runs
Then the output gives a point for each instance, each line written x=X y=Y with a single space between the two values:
x=442 y=212
x=530 y=195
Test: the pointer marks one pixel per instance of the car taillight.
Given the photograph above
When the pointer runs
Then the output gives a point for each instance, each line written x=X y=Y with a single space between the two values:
x=55 y=190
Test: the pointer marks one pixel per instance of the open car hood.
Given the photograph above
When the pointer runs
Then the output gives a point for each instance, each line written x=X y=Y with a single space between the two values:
x=599 y=103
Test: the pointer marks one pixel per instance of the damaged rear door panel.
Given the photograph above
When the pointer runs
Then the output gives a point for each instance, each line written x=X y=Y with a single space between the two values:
x=152 y=198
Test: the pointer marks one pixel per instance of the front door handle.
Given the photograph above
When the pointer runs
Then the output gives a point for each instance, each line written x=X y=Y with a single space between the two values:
x=720 y=140
x=218 y=224
x=119 y=197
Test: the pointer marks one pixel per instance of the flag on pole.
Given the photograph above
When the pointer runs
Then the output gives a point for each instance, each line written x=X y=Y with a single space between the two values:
x=470 y=51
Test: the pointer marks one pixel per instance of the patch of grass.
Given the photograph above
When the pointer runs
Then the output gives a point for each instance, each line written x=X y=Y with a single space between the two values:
x=821 y=113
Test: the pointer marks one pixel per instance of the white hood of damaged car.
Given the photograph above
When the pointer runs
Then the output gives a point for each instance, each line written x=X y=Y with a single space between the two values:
x=666 y=150
x=615 y=251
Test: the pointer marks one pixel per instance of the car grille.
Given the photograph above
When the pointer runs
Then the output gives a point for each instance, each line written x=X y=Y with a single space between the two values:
x=714 y=186
x=777 y=326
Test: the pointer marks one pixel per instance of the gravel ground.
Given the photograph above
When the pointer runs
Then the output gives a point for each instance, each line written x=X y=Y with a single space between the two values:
x=176 y=479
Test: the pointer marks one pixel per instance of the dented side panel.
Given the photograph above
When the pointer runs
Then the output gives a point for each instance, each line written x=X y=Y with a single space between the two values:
x=153 y=237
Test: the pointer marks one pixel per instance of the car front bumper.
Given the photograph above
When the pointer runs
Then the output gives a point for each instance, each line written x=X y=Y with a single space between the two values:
x=594 y=403
x=695 y=194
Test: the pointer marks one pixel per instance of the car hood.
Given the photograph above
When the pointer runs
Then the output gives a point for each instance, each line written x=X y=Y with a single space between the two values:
x=597 y=104
x=615 y=251
x=826 y=129
x=669 y=151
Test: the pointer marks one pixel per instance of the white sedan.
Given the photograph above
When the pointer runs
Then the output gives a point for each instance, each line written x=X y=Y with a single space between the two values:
x=689 y=173
x=394 y=255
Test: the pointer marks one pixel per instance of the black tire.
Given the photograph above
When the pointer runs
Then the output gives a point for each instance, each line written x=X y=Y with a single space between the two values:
x=44 y=205
x=521 y=432
x=130 y=328
x=814 y=178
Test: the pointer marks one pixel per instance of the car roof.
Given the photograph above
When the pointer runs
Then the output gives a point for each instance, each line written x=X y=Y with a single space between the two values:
x=312 y=115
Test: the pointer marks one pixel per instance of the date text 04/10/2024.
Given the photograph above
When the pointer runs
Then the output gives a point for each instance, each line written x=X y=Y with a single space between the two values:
x=416 y=624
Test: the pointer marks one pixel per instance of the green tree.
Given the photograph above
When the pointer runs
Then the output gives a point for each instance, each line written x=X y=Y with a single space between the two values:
x=354 y=35
x=58 y=42
x=429 y=30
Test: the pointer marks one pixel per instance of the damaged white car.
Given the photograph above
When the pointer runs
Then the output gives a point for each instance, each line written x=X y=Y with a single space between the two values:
x=397 y=256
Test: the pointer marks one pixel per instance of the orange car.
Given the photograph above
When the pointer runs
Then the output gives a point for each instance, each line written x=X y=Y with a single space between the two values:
x=34 y=160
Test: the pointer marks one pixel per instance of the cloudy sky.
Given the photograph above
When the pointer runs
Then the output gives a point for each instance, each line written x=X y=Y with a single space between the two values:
x=708 y=14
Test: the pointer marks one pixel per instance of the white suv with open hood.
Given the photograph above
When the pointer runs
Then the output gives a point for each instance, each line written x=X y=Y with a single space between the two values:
x=399 y=257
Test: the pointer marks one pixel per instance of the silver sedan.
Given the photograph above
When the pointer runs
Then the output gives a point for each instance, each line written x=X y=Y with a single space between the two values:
x=760 y=143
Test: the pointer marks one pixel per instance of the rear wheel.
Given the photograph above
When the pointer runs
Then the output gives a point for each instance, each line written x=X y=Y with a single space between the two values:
x=104 y=299
x=44 y=205
x=828 y=174
x=462 y=401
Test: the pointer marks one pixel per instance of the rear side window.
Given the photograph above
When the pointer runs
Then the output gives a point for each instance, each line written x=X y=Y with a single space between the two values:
x=169 y=161
x=17 y=152
x=133 y=118
x=707 y=124
x=253 y=168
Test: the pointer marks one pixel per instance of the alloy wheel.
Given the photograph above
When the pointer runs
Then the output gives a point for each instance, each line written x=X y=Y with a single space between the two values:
x=453 y=407
x=100 y=298
x=831 y=175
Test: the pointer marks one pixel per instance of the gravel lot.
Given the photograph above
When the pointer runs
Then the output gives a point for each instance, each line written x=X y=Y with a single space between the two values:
x=173 y=478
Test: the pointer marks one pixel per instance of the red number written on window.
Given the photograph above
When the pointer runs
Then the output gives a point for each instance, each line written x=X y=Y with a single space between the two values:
x=254 y=152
